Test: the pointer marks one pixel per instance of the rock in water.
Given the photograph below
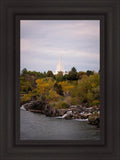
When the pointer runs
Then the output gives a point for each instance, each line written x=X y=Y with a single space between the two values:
x=67 y=115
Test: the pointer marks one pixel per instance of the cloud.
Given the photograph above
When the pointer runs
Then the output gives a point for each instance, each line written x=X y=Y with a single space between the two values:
x=76 y=40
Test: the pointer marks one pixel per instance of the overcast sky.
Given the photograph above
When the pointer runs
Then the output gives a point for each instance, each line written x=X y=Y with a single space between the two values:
x=42 y=41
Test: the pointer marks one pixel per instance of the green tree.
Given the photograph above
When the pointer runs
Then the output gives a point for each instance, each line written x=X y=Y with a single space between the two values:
x=24 y=71
x=45 y=74
x=74 y=70
x=65 y=77
x=59 y=77
x=72 y=76
x=60 y=73
x=80 y=74
x=50 y=74
x=89 y=72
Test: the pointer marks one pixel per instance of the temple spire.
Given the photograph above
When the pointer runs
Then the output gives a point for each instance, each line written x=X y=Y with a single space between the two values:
x=60 y=68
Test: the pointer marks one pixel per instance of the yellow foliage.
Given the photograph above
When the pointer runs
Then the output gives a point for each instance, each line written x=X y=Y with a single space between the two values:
x=87 y=90
x=52 y=95
x=44 y=86
x=26 y=97
x=66 y=86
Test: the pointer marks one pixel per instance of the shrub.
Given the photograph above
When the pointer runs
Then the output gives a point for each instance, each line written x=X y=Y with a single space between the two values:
x=95 y=102
x=26 y=98
x=65 y=105
x=61 y=105
x=74 y=101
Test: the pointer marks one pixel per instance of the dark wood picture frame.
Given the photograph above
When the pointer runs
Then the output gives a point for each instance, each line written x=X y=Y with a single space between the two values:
x=108 y=12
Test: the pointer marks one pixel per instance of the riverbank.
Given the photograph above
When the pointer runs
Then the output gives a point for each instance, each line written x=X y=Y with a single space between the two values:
x=91 y=114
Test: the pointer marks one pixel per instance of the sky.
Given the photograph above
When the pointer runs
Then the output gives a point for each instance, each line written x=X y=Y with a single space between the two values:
x=43 y=41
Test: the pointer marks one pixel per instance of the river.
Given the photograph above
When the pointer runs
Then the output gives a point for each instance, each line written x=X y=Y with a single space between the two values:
x=36 y=126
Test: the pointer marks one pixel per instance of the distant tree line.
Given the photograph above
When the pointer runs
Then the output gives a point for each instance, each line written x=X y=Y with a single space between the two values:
x=72 y=74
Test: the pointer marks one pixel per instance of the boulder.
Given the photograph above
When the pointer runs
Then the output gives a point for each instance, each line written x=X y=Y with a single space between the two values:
x=94 y=120
x=60 y=112
x=35 y=105
x=68 y=115
x=73 y=112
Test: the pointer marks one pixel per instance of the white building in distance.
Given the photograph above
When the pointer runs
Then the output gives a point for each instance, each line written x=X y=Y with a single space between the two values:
x=60 y=68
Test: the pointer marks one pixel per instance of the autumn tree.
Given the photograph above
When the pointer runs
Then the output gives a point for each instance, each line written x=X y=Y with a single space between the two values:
x=66 y=86
x=45 y=89
x=58 y=88
x=87 y=90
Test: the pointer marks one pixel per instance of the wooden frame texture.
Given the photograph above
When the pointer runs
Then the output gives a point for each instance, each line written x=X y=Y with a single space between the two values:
x=108 y=12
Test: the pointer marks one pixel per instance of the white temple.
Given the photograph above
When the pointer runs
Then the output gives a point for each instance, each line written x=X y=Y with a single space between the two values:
x=60 y=68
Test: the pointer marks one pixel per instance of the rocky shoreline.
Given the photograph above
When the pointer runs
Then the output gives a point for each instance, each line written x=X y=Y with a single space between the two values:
x=91 y=114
